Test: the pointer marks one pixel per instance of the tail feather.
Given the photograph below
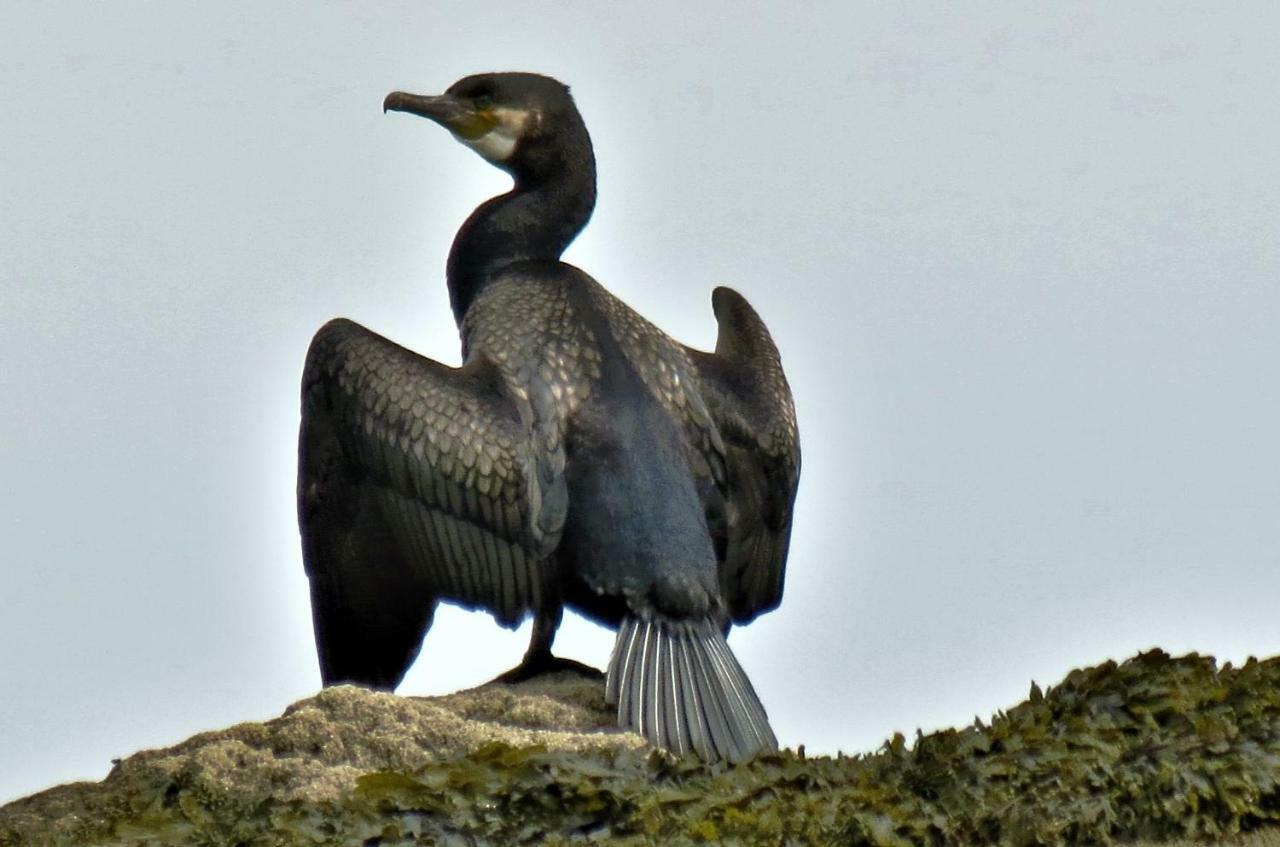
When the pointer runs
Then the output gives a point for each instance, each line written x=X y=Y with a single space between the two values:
x=743 y=694
x=712 y=716
x=620 y=667
x=678 y=684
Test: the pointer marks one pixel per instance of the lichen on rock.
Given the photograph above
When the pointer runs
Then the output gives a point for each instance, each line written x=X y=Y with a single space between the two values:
x=1156 y=748
x=316 y=752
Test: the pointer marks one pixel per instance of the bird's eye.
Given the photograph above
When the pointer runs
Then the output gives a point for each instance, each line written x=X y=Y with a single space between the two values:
x=483 y=101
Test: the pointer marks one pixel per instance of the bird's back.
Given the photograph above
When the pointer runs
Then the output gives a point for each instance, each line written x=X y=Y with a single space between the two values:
x=633 y=429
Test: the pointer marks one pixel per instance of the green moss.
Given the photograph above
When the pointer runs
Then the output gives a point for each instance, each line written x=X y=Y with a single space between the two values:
x=1155 y=748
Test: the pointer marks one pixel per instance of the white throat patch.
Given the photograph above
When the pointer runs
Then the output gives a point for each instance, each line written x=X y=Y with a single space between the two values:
x=495 y=145
x=499 y=143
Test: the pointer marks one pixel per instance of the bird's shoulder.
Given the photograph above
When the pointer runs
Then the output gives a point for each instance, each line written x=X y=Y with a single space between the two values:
x=669 y=374
x=744 y=381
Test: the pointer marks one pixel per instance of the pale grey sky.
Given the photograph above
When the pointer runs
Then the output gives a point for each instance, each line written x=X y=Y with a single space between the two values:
x=1021 y=262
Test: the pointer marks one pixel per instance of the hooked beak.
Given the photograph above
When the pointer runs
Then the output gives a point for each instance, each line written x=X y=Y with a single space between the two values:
x=452 y=113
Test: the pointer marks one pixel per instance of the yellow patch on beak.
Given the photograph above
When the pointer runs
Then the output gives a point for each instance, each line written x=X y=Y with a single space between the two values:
x=497 y=132
x=470 y=126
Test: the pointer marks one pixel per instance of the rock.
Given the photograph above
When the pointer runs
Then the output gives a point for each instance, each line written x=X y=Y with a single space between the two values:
x=1154 y=750
x=314 y=753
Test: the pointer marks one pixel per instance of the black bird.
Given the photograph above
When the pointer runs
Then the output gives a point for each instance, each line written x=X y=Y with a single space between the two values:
x=580 y=456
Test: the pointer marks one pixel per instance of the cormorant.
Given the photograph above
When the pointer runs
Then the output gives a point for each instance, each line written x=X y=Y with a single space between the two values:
x=579 y=456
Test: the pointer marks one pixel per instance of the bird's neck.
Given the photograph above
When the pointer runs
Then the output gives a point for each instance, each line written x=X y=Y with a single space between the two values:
x=536 y=220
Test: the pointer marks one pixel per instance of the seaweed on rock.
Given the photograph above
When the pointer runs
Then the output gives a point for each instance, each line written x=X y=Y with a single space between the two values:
x=1154 y=748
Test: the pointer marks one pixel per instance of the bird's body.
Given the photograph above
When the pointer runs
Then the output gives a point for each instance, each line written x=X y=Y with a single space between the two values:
x=579 y=457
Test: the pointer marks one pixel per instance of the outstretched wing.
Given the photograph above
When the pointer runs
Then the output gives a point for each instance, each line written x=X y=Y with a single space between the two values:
x=416 y=482
x=750 y=402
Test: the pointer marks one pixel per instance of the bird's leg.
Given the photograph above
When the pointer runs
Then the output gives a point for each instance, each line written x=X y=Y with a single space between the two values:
x=538 y=659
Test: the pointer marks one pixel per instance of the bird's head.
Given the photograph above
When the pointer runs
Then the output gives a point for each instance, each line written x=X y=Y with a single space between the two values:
x=524 y=123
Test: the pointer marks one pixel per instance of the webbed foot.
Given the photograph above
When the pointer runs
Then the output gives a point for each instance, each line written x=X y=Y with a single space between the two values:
x=536 y=664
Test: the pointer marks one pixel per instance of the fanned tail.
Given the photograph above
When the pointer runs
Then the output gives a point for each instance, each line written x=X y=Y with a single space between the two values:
x=677 y=684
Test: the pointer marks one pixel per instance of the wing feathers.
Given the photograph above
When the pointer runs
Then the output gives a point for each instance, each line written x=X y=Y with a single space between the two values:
x=420 y=479
x=750 y=402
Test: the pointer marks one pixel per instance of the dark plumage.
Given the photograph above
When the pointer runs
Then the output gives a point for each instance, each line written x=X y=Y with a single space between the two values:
x=580 y=456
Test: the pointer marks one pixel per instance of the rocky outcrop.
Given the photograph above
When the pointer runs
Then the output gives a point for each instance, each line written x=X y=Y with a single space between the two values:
x=1170 y=750
x=314 y=755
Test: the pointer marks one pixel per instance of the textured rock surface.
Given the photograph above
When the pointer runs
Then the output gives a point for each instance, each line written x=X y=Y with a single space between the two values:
x=1171 y=750
x=316 y=750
